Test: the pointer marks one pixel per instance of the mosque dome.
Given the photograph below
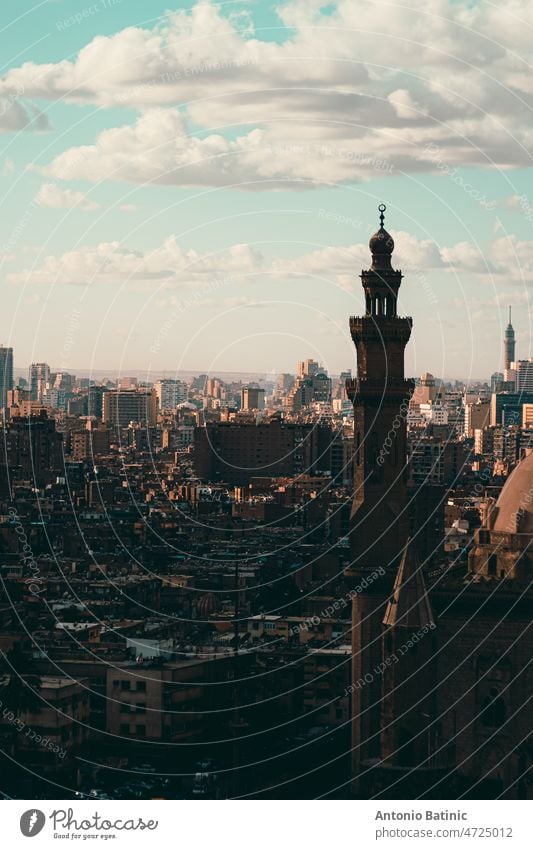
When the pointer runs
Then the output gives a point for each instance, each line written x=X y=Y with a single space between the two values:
x=513 y=511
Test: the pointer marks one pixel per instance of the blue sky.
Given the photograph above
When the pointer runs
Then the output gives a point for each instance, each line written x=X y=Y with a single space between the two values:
x=193 y=186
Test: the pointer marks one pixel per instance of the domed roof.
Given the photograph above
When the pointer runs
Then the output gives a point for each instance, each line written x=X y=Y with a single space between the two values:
x=381 y=243
x=513 y=511
x=207 y=604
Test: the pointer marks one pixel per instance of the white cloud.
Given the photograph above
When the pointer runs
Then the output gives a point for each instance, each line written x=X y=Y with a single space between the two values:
x=167 y=265
x=513 y=257
x=403 y=104
x=369 y=80
x=465 y=257
x=158 y=149
x=56 y=197
x=16 y=115
x=342 y=263
x=170 y=265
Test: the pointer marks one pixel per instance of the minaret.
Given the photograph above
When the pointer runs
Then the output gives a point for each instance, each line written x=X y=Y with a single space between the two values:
x=378 y=522
x=508 y=344
x=380 y=395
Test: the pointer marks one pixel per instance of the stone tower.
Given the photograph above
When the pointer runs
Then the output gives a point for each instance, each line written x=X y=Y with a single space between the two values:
x=378 y=523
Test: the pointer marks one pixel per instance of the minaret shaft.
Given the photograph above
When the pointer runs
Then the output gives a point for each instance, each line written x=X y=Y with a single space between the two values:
x=380 y=395
x=378 y=522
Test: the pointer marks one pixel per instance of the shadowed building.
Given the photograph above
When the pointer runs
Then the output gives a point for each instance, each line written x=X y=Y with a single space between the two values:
x=378 y=524
x=235 y=452
x=441 y=669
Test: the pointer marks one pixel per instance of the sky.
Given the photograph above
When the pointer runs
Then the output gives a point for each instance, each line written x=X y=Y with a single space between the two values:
x=193 y=185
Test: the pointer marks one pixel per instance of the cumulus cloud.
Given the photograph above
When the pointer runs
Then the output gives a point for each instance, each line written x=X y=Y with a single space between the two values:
x=16 y=115
x=169 y=265
x=342 y=263
x=166 y=265
x=158 y=149
x=513 y=257
x=371 y=81
x=55 y=197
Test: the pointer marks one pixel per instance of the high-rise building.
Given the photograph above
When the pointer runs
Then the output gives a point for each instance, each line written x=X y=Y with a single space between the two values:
x=39 y=377
x=527 y=415
x=214 y=388
x=31 y=449
x=425 y=390
x=95 y=396
x=506 y=407
x=63 y=381
x=477 y=415
x=235 y=452
x=6 y=374
x=508 y=344
x=378 y=523
x=170 y=393
x=120 y=407
x=308 y=368
x=312 y=385
x=524 y=375
x=252 y=398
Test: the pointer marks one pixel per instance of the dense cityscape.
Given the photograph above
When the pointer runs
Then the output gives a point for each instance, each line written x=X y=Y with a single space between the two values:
x=300 y=586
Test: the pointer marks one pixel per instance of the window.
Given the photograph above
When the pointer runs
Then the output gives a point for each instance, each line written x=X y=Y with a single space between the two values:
x=141 y=686
x=125 y=708
x=124 y=728
x=493 y=711
x=141 y=707
x=125 y=685
x=141 y=731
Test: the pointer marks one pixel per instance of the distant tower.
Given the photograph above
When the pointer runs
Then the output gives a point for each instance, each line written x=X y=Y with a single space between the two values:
x=508 y=345
x=378 y=522
x=6 y=374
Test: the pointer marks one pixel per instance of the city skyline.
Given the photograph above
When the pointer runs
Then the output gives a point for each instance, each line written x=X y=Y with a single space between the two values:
x=266 y=406
x=138 y=200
